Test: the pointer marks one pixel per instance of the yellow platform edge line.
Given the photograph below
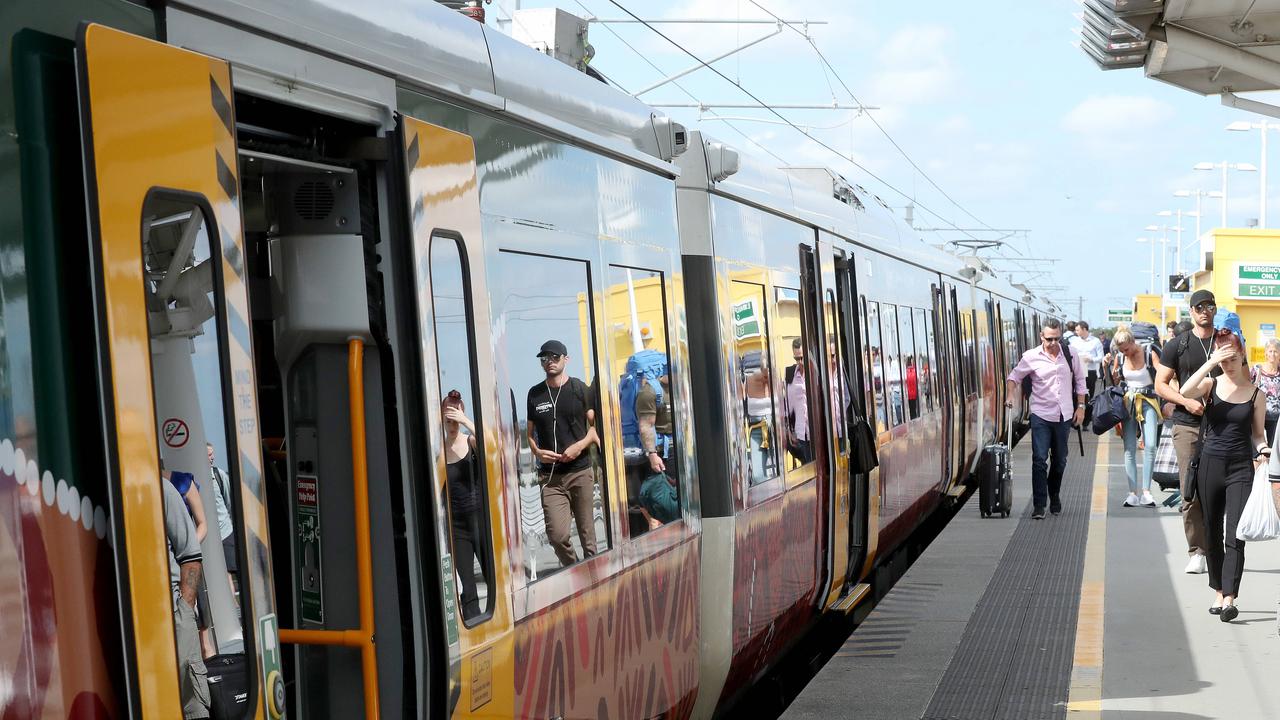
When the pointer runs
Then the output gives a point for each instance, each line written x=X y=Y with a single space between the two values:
x=1085 y=697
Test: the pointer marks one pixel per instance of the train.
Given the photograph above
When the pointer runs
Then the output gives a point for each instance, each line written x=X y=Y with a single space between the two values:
x=284 y=246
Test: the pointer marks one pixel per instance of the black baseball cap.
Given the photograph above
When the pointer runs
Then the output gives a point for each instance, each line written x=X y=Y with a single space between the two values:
x=1200 y=296
x=553 y=347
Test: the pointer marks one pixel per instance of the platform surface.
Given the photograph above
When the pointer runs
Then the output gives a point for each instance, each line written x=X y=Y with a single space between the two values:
x=1088 y=614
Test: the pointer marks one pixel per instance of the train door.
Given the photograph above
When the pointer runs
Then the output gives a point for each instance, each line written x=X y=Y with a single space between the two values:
x=957 y=389
x=945 y=394
x=177 y=377
x=461 y=402
x=850 y=334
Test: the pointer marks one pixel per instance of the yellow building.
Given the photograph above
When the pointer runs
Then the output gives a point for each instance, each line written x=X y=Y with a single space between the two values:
x=1242 y=268
x=1146 y=308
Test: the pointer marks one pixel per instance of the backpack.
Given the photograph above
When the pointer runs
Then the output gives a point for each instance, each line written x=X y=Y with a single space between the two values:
x=1066 y=353
x=1145 y=333
x=645 y=366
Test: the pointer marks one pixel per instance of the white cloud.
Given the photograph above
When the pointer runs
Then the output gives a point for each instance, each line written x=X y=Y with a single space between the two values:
x=914 y=67
x=1117 y=124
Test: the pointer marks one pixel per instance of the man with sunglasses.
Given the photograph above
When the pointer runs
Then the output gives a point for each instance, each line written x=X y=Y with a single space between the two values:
x=1181 y=357
x=1055 y=375
x=560 y=433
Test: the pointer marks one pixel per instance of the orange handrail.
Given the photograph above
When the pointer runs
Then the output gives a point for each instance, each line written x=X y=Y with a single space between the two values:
x=361 y=637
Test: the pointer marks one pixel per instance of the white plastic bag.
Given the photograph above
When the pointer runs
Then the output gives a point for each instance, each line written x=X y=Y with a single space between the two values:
x=1259 y=520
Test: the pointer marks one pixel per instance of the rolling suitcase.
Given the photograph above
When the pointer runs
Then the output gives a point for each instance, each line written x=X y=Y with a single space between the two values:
x=995 y=478
x=228 y=686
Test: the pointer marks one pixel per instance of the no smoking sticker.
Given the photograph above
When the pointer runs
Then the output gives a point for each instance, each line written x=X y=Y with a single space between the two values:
x=175 y=432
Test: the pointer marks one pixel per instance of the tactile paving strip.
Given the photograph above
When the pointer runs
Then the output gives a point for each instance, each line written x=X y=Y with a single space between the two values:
x=1014 y=660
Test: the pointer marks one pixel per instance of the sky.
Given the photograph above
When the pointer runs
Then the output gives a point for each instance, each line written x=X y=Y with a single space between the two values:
x=1019 y=128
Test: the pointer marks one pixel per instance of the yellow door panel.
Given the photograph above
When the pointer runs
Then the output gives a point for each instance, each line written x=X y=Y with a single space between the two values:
x=158 y=118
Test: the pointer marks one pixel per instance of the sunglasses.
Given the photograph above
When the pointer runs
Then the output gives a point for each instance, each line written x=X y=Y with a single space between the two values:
x=1206 y=307
x=549 y=358
x=1051 y=340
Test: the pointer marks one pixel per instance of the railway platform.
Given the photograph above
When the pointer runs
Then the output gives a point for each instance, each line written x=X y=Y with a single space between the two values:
x=1085 y=615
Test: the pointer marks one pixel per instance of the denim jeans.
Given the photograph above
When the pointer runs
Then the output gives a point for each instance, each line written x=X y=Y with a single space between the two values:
x=1046 y=476
x=1147 y=423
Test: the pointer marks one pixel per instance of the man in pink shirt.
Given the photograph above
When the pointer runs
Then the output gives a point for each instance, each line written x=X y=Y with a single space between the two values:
x=1055 y=373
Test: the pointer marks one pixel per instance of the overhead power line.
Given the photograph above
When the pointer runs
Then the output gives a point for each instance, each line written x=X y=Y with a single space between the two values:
x=783 y=118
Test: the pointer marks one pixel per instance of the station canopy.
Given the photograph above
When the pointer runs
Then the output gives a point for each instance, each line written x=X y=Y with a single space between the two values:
x=1210 y=47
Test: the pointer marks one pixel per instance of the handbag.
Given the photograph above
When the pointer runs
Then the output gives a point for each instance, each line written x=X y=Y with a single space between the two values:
x=864 y=458
x=1259 y=520
x=1108 y=409
x=1164 y=470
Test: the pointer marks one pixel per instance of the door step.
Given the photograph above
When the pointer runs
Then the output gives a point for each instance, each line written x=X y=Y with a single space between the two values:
x=847 y=603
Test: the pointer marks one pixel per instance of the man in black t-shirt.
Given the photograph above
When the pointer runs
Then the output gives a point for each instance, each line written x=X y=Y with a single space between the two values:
x=1181 y=357
x=560 y=433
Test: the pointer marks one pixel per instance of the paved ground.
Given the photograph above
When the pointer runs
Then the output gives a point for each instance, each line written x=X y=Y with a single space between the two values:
x=985 y=625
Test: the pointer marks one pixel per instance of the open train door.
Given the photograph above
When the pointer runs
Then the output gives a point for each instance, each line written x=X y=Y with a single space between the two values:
x=852 y=339
x=175 y=362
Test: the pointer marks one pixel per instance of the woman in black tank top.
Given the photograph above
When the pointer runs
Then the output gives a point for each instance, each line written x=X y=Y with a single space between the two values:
x=1234 y=445
x=466 y=503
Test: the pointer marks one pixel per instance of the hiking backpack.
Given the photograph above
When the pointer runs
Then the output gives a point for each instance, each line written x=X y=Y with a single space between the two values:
x=645 y=366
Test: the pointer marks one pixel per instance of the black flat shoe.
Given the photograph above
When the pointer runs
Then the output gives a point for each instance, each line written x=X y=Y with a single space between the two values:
x=1215 y=610
x=1229 y=613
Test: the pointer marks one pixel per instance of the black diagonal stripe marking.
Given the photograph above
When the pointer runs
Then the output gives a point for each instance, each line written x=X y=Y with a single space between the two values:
x=231 y=251
x=412 y=154
x=250 y=476
x=419 y=209
x=226 y=178
x=220 y=105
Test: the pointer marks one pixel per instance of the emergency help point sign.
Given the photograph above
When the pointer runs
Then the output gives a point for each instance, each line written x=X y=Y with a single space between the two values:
x=1255 y=281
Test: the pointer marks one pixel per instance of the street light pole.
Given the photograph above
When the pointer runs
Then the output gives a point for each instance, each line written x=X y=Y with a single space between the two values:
x=1261 y=127
x=1225 y=166
x=1151 y=282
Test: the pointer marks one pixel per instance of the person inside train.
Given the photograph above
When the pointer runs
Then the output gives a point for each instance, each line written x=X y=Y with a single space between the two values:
x=186 y=485
x=1057 y=399
x=185 y=569
x=895 y=388
x=560 y=434
x=466 y=502
x=797 y=405
x=913 y=388
x=1179 y=358
x=221 y=483
x=1234 y=444
x=758 y=391
x=1134 y=368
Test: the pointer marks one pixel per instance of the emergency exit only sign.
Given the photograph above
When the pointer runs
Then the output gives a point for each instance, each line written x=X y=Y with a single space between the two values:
x=1257 y=282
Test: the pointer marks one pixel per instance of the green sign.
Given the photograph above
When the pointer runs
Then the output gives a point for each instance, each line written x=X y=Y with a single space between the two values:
x=1259 y=272
x=745 y=321
x=306 y=519
x=272 y=680
x=1119 y=315
x=1258 y=290
x=450 y=608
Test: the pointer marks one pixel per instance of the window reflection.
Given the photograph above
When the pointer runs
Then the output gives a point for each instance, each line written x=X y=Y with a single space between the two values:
x=546 y=311
x=799 y=379
x=755 y=382
x=910 y=374
x=893 y=364
x=464 y=483
x=197 y=484
x=636 y=303
x=875 y=361
x=841 y=396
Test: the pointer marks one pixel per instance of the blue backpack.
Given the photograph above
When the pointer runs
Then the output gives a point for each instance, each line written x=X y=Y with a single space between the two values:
x=644 y=366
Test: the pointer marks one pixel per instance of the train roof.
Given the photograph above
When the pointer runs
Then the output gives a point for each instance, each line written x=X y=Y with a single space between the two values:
x=440 y=50
x=809 y=194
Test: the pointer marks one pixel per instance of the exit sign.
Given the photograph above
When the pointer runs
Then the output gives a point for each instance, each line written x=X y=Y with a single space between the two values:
x=1257 y=281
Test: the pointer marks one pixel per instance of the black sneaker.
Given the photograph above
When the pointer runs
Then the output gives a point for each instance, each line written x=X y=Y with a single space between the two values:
x=1037 y=513
x=1055 y=507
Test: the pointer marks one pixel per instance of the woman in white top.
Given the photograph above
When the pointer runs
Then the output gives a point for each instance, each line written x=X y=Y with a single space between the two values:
x=1133 y=367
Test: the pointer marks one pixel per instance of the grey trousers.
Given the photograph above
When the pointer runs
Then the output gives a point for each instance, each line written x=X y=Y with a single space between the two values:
x=193 y=680
x=570 y=497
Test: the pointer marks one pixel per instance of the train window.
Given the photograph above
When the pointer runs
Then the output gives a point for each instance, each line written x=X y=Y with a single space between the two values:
x=841 y=394
x=636 y=303
x=755 y=381
x=548 y=329
x=910 y=375
x=199 y=483
x=875 y=361
x=800 y=380
x=922 y=361
x=892 y=364
x=465 y=484
x=931 y=376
